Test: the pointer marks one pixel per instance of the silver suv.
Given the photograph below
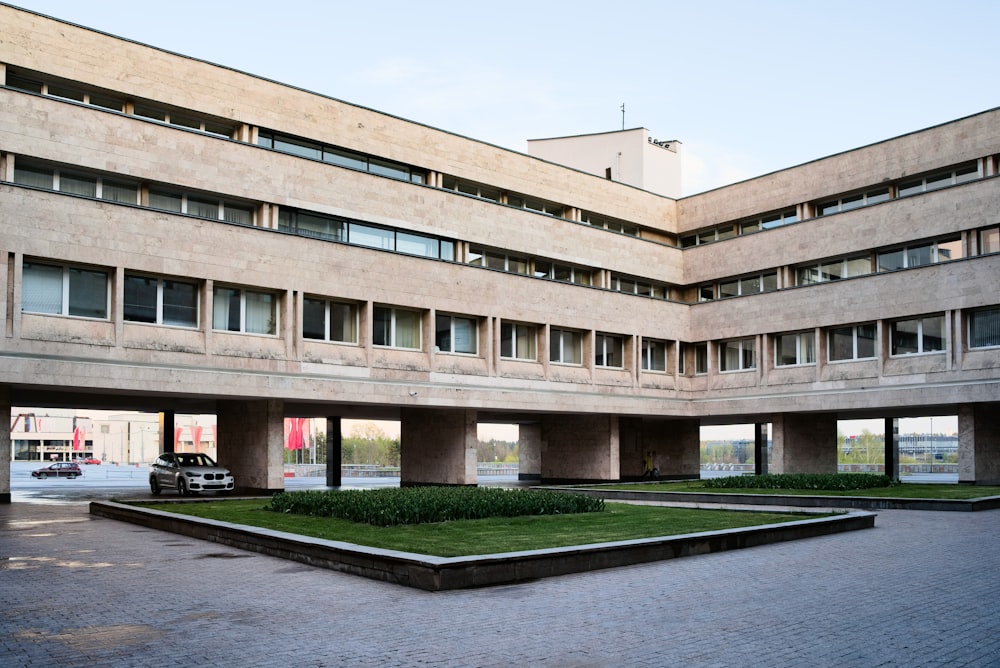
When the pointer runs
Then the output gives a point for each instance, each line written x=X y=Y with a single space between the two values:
x=189 y=473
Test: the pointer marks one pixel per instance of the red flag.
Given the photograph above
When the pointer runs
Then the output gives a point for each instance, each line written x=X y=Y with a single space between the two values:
x=177 y=436
x=196 y=437
x=78 y=435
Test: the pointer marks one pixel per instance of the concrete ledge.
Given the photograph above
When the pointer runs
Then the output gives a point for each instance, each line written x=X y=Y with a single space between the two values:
x=849 y=502
x=441 y=573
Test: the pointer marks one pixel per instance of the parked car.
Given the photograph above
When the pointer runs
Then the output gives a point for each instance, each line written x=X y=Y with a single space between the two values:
x=91 y=460
x=189 y=473
x=58 y=470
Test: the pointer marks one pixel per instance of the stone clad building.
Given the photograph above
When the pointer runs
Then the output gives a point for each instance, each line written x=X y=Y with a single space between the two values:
x=184 y=237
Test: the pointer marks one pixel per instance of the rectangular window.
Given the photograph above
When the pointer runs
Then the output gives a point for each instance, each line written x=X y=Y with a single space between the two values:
x=654 y=355
x=303 y=149
x=237 y=213
x=416 y=244
x=396 y=328
x=739 y=355
x=78 y=184
x=373 y=237
x=852 y=343
x=609 y=351
x=119 y=191
x=203 y=208
x=454 y=334
x=565 y=346
x=39 y=177
x=517 y=341
x=700 y=359
x=919 y=335
x=391 y=169
x=65 y=290
x=345 y=159
x=239 y=310
x=319 y=227
x=795 y=349
x=329 y=320
x=160 y=301
x=984 y=328
x=989 y=241
x=167 y=201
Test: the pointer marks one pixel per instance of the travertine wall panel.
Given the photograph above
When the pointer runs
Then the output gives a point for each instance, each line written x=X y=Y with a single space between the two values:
x=965 y=139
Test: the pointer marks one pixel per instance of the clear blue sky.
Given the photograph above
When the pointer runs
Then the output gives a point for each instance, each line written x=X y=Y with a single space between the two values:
x=748 y=87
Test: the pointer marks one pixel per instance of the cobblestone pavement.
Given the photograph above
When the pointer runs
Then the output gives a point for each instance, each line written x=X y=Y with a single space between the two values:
x=921 y=589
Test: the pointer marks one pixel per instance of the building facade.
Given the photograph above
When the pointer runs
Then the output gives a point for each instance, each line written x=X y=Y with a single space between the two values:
x=181 y=237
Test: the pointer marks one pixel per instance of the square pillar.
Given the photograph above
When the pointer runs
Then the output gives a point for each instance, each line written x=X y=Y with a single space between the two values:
x=979 y=444
x=892 y=448
x=529 y=451
x=251 y=441
x=804 y=443
x=760 y=448
x=167 y=426
x=674 y=444
x=334 y=443
x=438 y=447
x=5 y=446
x=580 y=448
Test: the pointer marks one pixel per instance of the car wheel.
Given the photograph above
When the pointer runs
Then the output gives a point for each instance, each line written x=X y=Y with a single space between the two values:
x=43 y=476
x=71 y=476
x=154 y=487
x=182 y=487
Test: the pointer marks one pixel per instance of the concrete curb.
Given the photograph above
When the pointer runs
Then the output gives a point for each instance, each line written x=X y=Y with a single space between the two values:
x=794 y=501
x=440 y=573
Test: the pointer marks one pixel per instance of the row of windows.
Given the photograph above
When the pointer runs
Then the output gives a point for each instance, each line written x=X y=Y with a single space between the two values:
x=356 y=233
x=85 y=292
x=112 y=102
x=340 y=156
x=739 y=287
x=955 y=175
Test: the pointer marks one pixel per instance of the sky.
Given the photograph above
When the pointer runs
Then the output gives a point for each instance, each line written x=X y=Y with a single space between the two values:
x=747 y=87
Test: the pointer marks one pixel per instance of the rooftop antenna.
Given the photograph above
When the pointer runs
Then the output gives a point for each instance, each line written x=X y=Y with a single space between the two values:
x=623 y=115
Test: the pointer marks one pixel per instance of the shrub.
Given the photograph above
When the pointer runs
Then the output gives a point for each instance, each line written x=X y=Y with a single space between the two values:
x=816 y=481
x=391 y=506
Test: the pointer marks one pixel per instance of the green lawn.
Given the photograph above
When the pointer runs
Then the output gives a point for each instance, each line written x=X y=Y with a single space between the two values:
x=468 y=537
x=904 y=491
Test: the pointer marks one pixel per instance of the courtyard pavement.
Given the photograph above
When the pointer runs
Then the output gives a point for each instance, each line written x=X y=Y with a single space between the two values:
x=920 y=589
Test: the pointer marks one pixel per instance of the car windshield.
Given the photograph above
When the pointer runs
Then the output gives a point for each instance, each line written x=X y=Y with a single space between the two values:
x=194 y=460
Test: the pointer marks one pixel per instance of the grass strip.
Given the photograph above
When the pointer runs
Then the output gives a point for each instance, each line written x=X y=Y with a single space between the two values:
x=619 y=521
x=902 y=491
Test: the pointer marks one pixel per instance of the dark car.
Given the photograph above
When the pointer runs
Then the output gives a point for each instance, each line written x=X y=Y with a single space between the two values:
x=58 y=470
x=189 y=473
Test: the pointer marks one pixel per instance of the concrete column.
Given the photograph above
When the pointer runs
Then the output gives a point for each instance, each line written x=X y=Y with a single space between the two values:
x=251 y=441
x=760 y=448
x=529 y=451
x=580 y=448
x=675 y=444
x=167 y=426
x=979 y=444
x=892 y=448
x=804 y=443
x=334 y=443
x=438 y=447
x=5 y=446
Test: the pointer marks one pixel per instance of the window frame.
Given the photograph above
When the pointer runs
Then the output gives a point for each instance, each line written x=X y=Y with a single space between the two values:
x=805 y=349
x=450 y=321
x=353 y=313
x=244 y=306
x=921 y=336
x=995 y=327
x=746 y=349
x=653 y=357
x=517 y=332
x=395 y=329
x=67 y=288
x=601 y=354
x=558 y=353
x=160 y=305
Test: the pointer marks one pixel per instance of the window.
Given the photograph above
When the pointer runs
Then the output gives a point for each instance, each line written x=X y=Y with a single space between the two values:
x=706 y=293
x=312 y=225
x=919 y=255
x=563 y=273
x=329 y=320
x=455 y=334
x=373 y=237
x=470 y=188
x=609 y=351
x=248 y=311
x=700 y=359
x=565 y=346
x=76 y=183
x=65 y=290
x=852 y=343
x=747 y=285
x=201 y=206
x=738 y=355
x=498 y=260
x=961 y=174
x=919 y=335
x=849 y=202
x=517 y=341
x=29 y=175
x=654 y=355
x=396 y=328
x=610 y=224
x=795 y=349
x=989 y=240
x=339 y=156
x=984 y=328
x=161 y=301
x=833 y=270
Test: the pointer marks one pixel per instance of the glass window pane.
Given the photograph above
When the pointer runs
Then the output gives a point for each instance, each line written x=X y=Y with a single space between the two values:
x=382 y=326
x=525 y=339
x=42 y=289
x=407 y=329
x=807 y=348
x=416 y=244
x=66 y=93
x=866 y=341
x=750 y=285
x=701 y=358
x=729 y=289
x=831 y=271
x=78 y=184
x=88 y=293
x=465 y=335
x=905 y=337
x=842 y=343
x=261 y=313
x=234 y=213
x=939 y=180
x=727 y=232
x=891 y=260
x=770 y=282
x=750 y=228
x=149 y=112
x=448 y=250
x=203 y=208
x=314 y=319
x=496 y=261
x=390 y=169
x=226 y=309
x=475 y=257
x=989 y=241
x=140 y=299
x=33 y=176
x=442 y=333
x=562 y=273
x=806 y=275
x=858 y=266
x=877 y=196
x=852 y=202
x=300 y=148
x=164 y=200
x=786 y=353
x=967 y=173
x=949 y=250
x=345 y=158
x=373 y=237
x=706 y=237
x=984 y=328
x=180 y=304
x=918 y=256
x=517 y=265
x=319 y=227
x=706 y=293
x=343 y=322
x=910 y=188
x=117 y=191
x=932 y=334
